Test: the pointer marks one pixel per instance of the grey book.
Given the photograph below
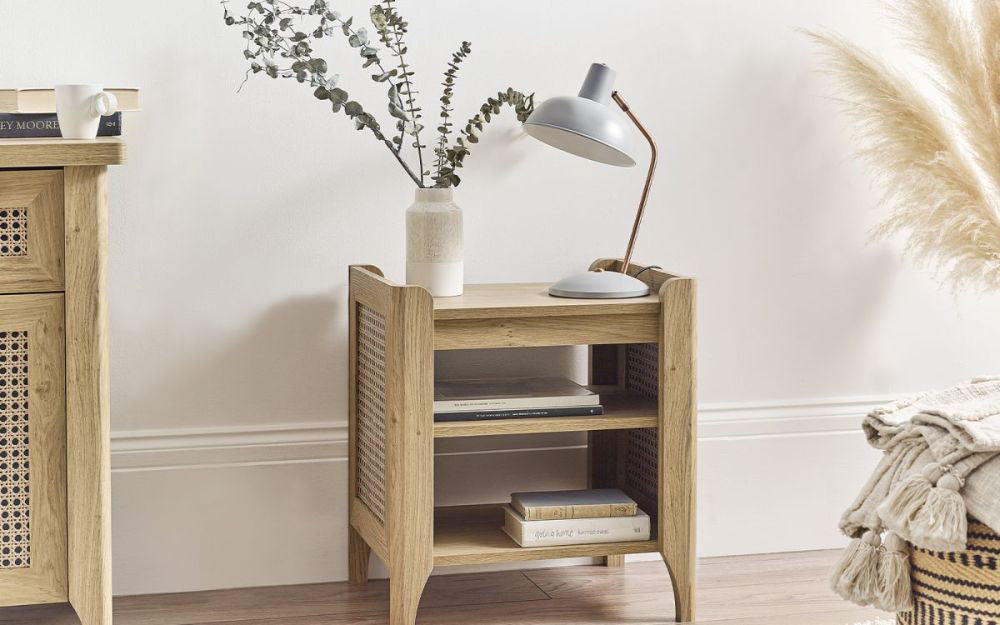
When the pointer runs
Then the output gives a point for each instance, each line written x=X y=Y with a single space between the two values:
x=573 y=504
x=510 y=394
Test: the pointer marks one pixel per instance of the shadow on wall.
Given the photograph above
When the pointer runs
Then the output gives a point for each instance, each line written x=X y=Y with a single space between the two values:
x=286 y=367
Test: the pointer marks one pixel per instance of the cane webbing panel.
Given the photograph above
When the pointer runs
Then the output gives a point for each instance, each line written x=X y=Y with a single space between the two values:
x=957 y=588
x=15 y=532
x=13 y=232
x=370 y=452
x=641 y=453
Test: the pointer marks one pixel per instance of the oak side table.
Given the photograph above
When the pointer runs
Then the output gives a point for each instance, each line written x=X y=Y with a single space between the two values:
x=55 y=511
x=642 y=360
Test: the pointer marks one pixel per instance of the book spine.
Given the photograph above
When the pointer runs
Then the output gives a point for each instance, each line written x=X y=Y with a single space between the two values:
x=46 y=125
x=575 y=531
x=456 y=405
x=580 y=511
x=486 y=415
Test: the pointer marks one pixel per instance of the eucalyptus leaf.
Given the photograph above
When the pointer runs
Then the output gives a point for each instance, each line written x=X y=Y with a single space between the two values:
x=352 y=108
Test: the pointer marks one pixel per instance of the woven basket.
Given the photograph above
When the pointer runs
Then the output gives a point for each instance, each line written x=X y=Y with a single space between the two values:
x=961 y=588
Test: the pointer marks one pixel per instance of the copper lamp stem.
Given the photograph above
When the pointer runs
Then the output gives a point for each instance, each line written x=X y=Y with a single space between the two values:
x=649 y=177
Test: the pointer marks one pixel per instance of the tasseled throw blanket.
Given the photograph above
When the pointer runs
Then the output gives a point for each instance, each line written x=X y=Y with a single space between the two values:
x=941 y=462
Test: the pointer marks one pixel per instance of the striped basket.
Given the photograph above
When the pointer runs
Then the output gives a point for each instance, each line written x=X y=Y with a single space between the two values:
x=960 y=588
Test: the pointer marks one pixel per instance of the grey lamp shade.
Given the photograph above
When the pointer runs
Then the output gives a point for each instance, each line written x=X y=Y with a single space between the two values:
x=585 y=125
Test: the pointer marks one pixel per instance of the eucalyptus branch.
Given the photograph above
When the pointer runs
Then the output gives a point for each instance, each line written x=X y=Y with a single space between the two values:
x=271 y=30
x=455 y=156
x=445 y=128
x=268 y=29
x=391 y=27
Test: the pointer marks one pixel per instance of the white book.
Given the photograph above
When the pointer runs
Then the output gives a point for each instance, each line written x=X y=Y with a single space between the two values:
x=575 y=531
x=510 y=394
x=44 y=100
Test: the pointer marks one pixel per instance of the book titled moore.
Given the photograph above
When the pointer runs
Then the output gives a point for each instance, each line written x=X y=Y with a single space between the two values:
x=46 y=125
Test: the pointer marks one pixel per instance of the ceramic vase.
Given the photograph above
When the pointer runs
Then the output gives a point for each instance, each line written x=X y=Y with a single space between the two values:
x=434 y=253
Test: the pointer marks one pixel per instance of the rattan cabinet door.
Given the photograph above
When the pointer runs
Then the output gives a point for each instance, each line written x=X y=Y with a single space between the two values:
x=31 y=231
x=33 y=562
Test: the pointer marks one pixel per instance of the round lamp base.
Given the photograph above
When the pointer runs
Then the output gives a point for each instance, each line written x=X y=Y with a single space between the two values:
x=599 y=285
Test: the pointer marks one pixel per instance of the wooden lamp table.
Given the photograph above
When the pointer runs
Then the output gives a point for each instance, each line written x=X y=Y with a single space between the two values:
x=642 y=358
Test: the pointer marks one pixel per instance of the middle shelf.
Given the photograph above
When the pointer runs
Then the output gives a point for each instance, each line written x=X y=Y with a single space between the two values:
x=623 y=410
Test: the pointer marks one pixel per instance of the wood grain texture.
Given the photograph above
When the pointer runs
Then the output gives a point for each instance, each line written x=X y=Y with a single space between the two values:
x=622 y=410
x=45 y=581
x=678 y=440
x=61 y=152
x=545 y=331
x=40 y=193
x=410 y=449
x=370 y=530
x=416 y=536
x=88 y=417
x=773 y=589
x=473 y=535
x=651 y=275
x=311 y=601
x=509 y=301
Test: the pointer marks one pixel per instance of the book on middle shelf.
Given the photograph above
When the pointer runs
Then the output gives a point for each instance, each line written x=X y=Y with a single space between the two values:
x=513 y=398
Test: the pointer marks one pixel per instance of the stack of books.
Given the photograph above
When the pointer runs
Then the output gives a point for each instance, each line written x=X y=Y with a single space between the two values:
x=513 y=398
x=574 y=517
x=31 y=113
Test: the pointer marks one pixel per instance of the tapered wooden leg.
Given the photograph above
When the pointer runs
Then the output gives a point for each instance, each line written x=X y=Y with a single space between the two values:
x=405 y=587
x=614 y=561
x=358 y=556
x=678 y=442
x=682 y=579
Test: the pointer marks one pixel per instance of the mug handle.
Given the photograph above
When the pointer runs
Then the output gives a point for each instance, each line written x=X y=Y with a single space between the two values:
x=105 y=103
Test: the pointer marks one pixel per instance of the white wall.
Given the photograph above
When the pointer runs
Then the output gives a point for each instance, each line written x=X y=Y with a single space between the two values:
x=234 y=221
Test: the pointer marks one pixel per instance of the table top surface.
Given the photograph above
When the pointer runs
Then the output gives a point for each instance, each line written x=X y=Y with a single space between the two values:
x=59 y=152
x=484 y=301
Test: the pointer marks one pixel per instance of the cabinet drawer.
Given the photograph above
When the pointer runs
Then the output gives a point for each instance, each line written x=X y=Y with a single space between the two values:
x=31 y=231
x=33 y=551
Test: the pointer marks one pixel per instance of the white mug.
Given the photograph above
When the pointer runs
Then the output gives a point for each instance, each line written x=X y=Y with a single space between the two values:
x=79 y=109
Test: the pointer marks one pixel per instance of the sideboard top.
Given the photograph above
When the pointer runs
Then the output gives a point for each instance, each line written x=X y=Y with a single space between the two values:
x=61 y=152
x=485 y=301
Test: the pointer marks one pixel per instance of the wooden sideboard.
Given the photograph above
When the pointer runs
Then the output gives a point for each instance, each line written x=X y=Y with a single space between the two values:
x=55 y=468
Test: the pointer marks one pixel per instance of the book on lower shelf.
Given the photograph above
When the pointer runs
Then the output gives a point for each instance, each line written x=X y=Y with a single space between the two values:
x=575 y=531
x=513 y=398
x=573 y=504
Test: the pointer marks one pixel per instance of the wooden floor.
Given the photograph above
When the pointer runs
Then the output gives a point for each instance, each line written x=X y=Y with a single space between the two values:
x=774 y=589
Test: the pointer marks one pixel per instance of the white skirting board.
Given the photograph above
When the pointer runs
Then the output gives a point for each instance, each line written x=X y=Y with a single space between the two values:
x=226 y=508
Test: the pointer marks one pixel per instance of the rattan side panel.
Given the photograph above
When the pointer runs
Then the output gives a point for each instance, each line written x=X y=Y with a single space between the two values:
x=15 y=509
x=957 y=588
x=371 y=418
x=640 y=451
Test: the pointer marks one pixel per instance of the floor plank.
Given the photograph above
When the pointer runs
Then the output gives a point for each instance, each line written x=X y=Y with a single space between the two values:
x=333 y=600
x=51 y=614
x=768 y=589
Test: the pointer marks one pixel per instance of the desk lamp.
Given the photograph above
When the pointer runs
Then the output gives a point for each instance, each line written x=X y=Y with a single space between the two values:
x=585 y=125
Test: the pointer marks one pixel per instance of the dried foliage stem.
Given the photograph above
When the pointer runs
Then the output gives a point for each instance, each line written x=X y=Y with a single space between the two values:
x=272 y=32
x=941 y=177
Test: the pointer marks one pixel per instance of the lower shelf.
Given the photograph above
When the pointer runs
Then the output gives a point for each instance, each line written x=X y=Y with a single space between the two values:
x=472 y=535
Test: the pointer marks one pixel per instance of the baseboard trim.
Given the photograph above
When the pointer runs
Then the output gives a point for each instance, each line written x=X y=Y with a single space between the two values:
x=161 y=449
